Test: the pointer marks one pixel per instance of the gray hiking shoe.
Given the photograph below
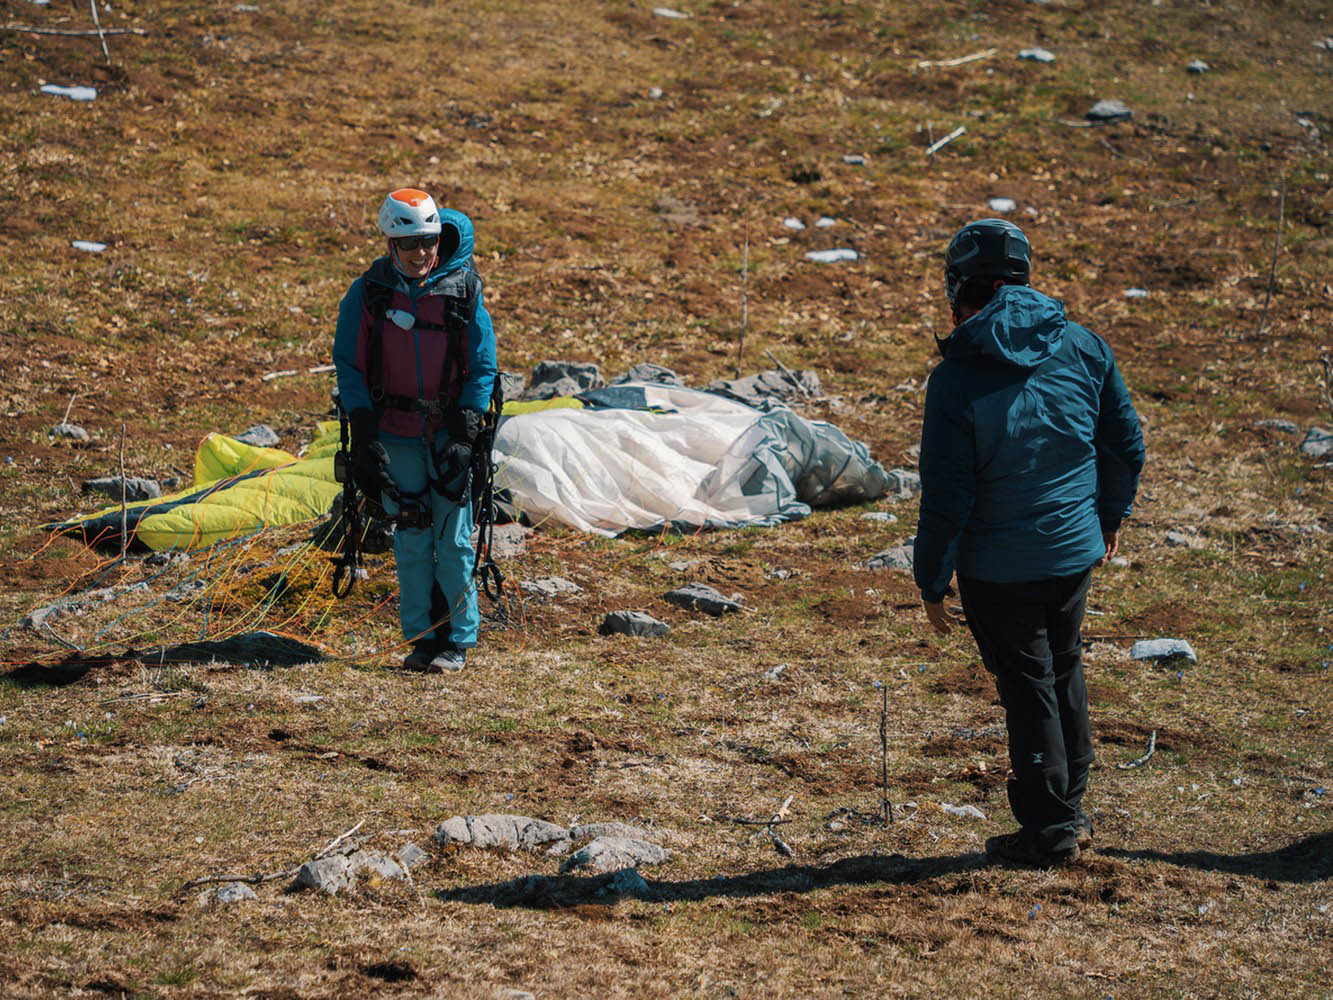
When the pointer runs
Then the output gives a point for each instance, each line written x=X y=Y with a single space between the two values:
x=449 y=659
x=422 y=657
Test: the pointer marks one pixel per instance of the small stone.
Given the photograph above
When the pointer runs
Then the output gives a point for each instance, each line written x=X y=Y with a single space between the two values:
x=259 y=436
x=793 y=223
x=1197 y=66
x=904 y=483
x=1109 y=111
x=669 y=13
x=88 y=246
x=965 y=811
x=1120 y=561
x=503 y=830
x=632 y=623
x=702 y=597
x=837 y=825
x=331 y=874
x=232 y=892
x=1162 y=649
x=1002 y=205
x=773 y=673
x=1181 y=540
x=591 y=831
x=1278 y=426
x=825 y=222
x=73 y=93
x=647 y=371
x=654 y=93
x=1036 y=55
x=379 y=865
x=133 y=488
x=308 y=700
x=1318 y=443
x=832 y=256
x=882 y=516
x=899 y=557
x=854 y=159
x=410 y=856
x=1136 y=293
x=584 y=374
x=67 y=430
x=550 y=586
x=627 y=882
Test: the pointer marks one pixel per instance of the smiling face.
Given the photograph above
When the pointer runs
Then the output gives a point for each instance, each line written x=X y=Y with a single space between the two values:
x=414 y=255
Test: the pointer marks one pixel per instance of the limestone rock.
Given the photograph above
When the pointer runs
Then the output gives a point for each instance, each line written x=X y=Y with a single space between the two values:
x=1162 y=649
x=410 y=856
x=1037 y=55
x=331 y=874
x=1279 y=426
x=584 y=374
x=259 y=436
x=590 y=831
x=632 y=623
x=648 y=372
x=1109 y=111
x=550 y=586
x=65 y=429
x=608 y=854
x=134 y=488
x=231 y=892
x=904 y=483
x=499 y=830
x=1318 y=443
x=899 y=557
x=703 y=598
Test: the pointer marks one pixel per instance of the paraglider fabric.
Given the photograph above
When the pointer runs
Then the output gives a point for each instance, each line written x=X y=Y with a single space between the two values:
x=657 y=456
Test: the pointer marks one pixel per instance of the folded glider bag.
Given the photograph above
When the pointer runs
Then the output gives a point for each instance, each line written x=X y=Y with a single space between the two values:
x=631 y=456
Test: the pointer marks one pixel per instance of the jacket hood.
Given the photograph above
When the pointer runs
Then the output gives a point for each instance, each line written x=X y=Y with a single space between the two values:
x=1018 y=327
x=450 y=219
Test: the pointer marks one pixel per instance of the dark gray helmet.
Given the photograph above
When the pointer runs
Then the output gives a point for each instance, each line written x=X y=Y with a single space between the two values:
x=987 y=248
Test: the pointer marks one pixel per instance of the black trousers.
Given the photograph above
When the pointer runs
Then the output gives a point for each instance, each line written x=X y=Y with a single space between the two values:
x=1028 y=635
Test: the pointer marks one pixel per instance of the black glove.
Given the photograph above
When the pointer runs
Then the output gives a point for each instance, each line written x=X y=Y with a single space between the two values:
x=463 y=425
x=368 y=455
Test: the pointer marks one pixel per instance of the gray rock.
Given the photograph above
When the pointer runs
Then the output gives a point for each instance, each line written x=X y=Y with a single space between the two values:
x=507 y=540
x=550 y=586
x=231 y=892
x=626 y=882
x=1037 y=55
x=550 y=390
x=773 y=673
x=1120 y=561
x=65 y=429
x=1162 y=649
x=308 y=700
x=1109 y=111
x=904 y=483
x=133 y=487
x=331 y=874
x=882 y=516
x=499 y=830
x=609 y=854
x=1197 y=66
x=899 y=557
x=764 y=387
x=376 y=863
x=411 y=856
x=259 y=436
x=649 y=372
x=1180 y=539
x=590 y=831
x=632 y=623
x=1279 y=426
x=702 y=597
x=512 y=385
x=1318 y=443
x=584 y=374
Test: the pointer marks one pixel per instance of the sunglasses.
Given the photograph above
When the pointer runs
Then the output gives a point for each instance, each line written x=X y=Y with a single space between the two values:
x=415 y=242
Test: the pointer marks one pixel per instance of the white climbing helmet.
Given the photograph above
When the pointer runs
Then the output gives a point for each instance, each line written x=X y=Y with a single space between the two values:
x=409 y=212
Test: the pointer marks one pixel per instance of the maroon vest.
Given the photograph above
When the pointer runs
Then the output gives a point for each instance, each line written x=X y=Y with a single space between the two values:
x=414 y=374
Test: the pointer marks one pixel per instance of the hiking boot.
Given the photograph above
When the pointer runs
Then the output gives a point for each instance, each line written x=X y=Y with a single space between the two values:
x=422 y=657
x=1083 y=833
x=448 y=658
x=1017 y=848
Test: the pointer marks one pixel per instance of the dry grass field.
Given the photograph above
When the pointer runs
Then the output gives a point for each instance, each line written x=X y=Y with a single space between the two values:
x=619 y=166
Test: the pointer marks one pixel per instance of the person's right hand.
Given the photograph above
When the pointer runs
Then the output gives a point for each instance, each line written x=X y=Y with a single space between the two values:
x=368 y=457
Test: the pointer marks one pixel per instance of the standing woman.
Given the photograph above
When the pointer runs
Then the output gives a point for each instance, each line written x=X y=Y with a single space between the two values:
x=415 y=355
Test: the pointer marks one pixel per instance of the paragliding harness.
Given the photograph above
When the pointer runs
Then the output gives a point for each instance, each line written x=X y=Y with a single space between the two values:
x=477 y=479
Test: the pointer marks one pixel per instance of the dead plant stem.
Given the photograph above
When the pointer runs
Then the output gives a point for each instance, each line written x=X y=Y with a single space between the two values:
x=101 y=35
x=1272 y=268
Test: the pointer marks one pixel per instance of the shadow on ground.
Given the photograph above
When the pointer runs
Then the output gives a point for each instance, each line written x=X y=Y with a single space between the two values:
x=1308 y=860
x=557 y=891
x=61 y=673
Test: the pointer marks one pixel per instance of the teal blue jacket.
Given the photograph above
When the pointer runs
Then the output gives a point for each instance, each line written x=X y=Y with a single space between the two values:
x=1030 y=448
x=482 y=371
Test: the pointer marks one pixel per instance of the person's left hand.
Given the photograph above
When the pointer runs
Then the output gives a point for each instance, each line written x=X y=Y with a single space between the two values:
x=941 y=619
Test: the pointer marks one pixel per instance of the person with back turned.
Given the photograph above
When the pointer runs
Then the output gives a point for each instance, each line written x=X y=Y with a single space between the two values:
x=1030 y=459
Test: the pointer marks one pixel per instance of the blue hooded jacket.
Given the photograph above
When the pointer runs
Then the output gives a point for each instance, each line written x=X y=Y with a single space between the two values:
x=481 y=362
x=1030 y=448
